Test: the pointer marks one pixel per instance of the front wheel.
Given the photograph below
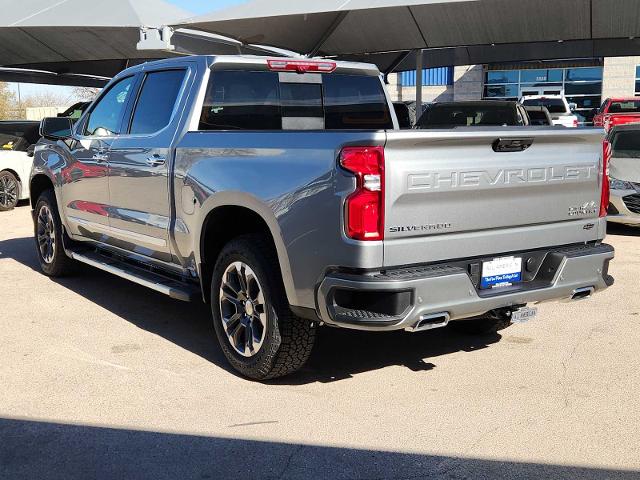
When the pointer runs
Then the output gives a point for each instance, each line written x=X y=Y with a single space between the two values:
x=258 y=333
x=9 y=191
x=48 y=236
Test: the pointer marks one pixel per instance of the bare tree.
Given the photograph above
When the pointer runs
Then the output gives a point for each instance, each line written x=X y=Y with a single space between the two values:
x=8 y=105
x=85 y=94
x=46 y=99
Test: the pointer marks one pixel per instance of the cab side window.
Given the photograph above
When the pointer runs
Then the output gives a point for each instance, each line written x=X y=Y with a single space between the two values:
x=105 y=119
x=157 y=101
x=238 y=100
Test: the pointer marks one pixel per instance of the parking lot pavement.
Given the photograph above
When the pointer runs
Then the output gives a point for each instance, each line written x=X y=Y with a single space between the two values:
x=100 y=378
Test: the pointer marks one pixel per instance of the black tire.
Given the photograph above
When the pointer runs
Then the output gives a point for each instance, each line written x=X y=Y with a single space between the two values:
x=481 y=326
x=287 y=340
x=59 y=264
x=9 y=191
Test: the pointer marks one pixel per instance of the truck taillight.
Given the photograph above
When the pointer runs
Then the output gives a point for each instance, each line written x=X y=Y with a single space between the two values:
x=301 y=66
x=605 y=197
x=364 y=208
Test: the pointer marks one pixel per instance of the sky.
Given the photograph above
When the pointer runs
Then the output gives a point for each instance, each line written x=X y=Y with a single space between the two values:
x=197 y=7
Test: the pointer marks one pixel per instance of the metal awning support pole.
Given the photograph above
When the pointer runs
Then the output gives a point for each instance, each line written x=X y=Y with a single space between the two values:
x=419 y=83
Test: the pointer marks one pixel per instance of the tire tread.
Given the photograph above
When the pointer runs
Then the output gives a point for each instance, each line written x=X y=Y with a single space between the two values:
x=293 y=337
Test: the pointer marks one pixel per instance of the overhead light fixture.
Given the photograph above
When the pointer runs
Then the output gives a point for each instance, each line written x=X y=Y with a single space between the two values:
x=155 y=39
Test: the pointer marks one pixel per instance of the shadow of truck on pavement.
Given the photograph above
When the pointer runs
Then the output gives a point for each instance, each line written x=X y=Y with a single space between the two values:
x=338 y=355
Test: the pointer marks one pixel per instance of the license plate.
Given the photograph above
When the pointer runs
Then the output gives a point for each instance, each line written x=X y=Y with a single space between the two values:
x=501 y=272
x=524 y=314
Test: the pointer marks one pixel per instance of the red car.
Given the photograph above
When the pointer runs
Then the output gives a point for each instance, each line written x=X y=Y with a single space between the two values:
x=617 y=111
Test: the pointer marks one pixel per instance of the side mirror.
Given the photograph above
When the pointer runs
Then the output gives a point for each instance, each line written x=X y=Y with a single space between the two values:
x=56 y=128
x=31 y=150
x=573 y=106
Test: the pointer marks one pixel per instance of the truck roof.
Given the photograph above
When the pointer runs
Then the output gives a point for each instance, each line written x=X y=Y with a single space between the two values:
x=476 y=103
x=624 y=128
x=542 y=97
x=623 y=99
x=253 y=62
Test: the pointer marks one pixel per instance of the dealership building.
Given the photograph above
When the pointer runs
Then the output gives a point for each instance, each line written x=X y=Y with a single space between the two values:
x=585 y=82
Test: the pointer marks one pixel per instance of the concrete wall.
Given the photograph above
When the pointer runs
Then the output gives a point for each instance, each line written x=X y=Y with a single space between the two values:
x=618 y=81
x=467 y=82
x=619 y=76
x=38 y=113
x=438 y=93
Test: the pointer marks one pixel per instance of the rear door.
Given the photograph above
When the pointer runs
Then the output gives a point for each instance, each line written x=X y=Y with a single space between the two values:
x=139 y=166
x=456 y=194
x=85 y=185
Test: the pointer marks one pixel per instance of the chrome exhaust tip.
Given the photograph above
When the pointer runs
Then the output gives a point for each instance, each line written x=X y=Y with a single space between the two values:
x=429 y=322
x=582 y=293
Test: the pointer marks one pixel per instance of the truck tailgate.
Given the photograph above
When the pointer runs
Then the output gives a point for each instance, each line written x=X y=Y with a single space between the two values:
x=451 y=194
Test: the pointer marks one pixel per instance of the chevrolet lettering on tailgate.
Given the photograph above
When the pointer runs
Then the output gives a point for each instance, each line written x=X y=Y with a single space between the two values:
x=511 y=176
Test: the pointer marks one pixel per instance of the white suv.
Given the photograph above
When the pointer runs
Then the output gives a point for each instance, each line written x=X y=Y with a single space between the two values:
x=16 y=159
x=558 y=107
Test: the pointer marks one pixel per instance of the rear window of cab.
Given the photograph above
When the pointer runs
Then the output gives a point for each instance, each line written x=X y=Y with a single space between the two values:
x=626 y=106
x=241 y=100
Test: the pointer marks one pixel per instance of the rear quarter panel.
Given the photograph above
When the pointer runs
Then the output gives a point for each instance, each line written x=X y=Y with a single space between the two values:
x=290 y=179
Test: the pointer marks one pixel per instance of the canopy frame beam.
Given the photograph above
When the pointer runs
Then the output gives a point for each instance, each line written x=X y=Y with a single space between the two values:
x=419 y=67
x=328 y=32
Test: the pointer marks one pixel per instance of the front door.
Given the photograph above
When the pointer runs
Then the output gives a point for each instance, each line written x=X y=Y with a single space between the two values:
x=139 y=167
x=85 y=171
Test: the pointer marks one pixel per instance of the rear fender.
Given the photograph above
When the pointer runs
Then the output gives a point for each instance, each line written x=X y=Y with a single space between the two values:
x=244 y=200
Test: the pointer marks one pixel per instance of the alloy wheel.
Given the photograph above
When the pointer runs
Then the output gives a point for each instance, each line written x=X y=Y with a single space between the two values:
x=46 y=234
x=8 y=191
x=242 y=309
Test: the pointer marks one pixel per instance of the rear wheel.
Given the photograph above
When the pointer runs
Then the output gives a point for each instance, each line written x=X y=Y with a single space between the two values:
x=257 y=331
x=9 y=191
x=48 y=236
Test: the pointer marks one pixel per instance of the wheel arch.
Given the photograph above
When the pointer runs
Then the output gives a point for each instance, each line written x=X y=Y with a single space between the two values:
x=38 y=184
x=229 y=218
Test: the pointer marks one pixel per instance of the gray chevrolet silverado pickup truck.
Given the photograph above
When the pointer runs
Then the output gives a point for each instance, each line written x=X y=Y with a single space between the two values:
x=283 y=193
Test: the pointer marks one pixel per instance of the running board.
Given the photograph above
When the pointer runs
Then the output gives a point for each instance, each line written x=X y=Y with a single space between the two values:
x=173 y=288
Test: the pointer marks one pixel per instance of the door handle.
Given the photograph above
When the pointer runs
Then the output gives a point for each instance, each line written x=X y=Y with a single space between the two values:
x=511 y=144
x=100 y=157
x=156 y=160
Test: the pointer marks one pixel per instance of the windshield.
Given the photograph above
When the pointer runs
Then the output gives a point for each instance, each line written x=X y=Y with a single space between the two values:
x=447 y=116
x=554 y=105
x=626 y=144
x=627 y=106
